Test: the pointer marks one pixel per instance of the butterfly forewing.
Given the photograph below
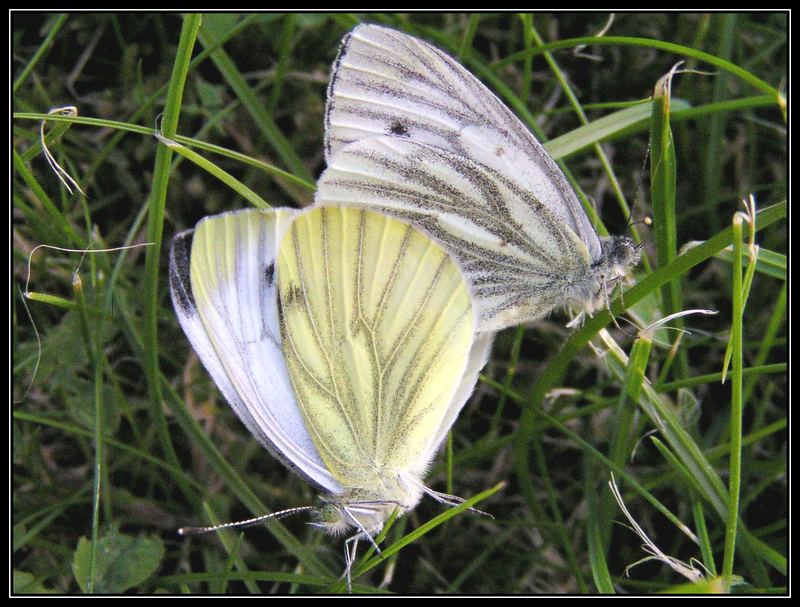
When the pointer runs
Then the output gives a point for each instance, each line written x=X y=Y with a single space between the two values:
x=385 y=82
x=223 y=288
x=411 y=132
x=377 y=330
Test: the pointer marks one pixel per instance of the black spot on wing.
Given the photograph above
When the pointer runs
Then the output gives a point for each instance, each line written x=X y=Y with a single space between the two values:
x=269 y=274
x=396 y=127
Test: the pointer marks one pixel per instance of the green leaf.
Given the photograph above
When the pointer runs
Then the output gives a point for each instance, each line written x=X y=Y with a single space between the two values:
x=26 y=583
x=123 y=562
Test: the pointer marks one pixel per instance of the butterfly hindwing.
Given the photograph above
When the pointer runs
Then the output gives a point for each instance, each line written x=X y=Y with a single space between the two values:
x=516 y=253
x=377 y=329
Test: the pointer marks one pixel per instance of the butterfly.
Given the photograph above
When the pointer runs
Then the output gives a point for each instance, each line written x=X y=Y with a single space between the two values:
x=410 y=132
x=344 y=339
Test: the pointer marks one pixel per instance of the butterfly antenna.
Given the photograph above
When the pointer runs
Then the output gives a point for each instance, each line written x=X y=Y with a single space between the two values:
x=273 y=516
x=638 y=188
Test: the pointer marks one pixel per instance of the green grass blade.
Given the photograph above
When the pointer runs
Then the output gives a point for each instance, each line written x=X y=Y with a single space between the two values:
x=735 y=474
x=155 y=229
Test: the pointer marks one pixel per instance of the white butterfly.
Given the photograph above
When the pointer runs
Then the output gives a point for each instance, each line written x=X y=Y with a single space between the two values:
x=343 y=339
x=410 y=132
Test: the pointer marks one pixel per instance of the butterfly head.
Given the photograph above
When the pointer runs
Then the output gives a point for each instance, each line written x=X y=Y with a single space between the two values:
x=591 y=291
x=618 y=254
x=367 y=518
x=365 y=510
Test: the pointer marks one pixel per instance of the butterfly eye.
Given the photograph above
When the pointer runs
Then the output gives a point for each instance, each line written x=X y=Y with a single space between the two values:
x=329 y=514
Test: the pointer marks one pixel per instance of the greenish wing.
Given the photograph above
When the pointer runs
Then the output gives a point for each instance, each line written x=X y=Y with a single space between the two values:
x=377 y=327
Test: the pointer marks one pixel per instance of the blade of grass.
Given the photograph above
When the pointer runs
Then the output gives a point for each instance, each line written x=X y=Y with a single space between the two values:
x=64 y=227
x=608 y=128
x=689 y=454
x=225 y=177
x=714 y=128
x=677 y=49
x=618 y=471
x=469 y=35
x=528 y=39
x=698 y=515
x=753 y=254
x=735 y=472
x=769 y=263
x=232 y=542
x=284 y=54
x=599 y=514
x=767 y=341
x=698 y=380
x=516 y=347
x=621 y=443
x=188 y=141
x=373 y=562
x=77 y=289
x=663 y=176
x=155 y=229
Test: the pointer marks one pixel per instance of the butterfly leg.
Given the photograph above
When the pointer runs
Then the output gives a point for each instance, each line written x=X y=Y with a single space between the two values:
x=451 y=500
x=350 y=547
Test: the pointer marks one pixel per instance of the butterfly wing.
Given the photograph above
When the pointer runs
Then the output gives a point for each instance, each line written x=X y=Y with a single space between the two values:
x=222 y=280
x=478 y=357
x=377 y=326
x=385 y=82
x=518 y=255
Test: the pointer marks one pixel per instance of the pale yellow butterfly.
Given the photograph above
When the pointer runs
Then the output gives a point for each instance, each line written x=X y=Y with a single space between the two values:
x=345 y=341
